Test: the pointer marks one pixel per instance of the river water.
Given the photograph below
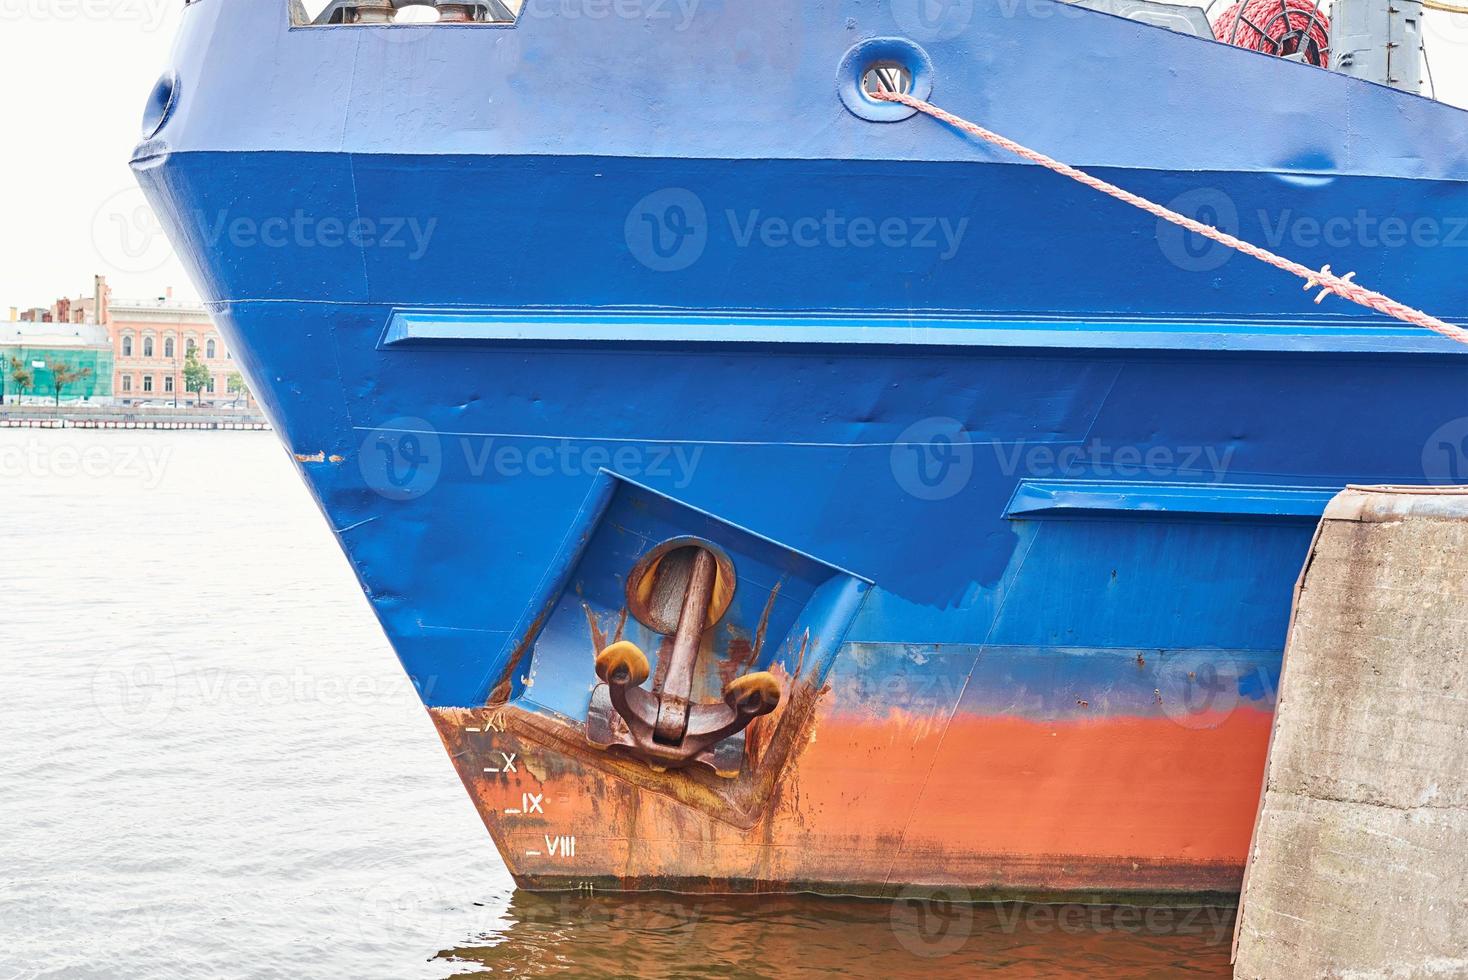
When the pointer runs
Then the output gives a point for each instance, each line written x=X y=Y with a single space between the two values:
x=211 y=765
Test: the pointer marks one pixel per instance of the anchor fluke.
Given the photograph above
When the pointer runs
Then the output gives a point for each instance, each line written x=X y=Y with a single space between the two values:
x=623 y=663
x=755 y=694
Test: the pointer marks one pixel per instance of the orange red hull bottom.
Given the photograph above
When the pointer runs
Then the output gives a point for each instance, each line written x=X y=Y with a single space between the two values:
x=1105 y=809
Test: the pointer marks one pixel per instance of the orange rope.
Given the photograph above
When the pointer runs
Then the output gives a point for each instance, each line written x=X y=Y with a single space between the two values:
x=1327 y=281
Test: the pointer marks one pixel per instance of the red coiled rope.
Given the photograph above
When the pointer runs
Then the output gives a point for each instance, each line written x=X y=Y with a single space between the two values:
x=1327 y=281
x=1277 y=27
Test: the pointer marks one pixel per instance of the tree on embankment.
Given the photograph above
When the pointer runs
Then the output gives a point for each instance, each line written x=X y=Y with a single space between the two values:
x=236 y=386
x=196 y=375
x=63 y=374
x=21 y=376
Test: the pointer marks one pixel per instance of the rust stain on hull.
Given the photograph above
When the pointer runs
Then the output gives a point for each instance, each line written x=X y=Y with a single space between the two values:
x=997 y=805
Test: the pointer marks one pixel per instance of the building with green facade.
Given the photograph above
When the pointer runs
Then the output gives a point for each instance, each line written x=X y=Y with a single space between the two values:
x=38 y=349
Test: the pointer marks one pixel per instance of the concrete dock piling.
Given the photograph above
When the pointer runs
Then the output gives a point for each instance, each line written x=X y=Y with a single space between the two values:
x=1359 y=865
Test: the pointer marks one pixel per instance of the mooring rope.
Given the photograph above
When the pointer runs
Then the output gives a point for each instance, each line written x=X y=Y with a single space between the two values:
x=1324 y=279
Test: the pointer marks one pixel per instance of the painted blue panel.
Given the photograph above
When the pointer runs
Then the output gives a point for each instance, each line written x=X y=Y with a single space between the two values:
x=417 y=228
x=414 y=328
x=1194 y=687
x=1036 y=498
x=1126 y=584
x=1077 y=683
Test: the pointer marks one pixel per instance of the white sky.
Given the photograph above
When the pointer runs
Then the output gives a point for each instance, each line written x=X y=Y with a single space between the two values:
x=76 y=73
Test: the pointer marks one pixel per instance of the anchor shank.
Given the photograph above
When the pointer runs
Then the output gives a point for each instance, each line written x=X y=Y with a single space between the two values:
x=677 y=685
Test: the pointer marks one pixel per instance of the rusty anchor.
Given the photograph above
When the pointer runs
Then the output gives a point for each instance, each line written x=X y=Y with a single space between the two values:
x=665 y=727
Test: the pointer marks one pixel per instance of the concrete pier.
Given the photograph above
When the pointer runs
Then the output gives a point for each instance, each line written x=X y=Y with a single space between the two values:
x=1359 y=866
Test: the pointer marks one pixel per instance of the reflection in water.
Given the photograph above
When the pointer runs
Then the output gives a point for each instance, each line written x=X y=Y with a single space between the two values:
x=783 y=936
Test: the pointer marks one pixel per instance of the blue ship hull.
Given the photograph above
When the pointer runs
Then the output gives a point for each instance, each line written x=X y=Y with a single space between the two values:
x=986 y=449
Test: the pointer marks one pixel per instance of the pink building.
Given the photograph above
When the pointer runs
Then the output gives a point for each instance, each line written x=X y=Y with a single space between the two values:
x=150 y=341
